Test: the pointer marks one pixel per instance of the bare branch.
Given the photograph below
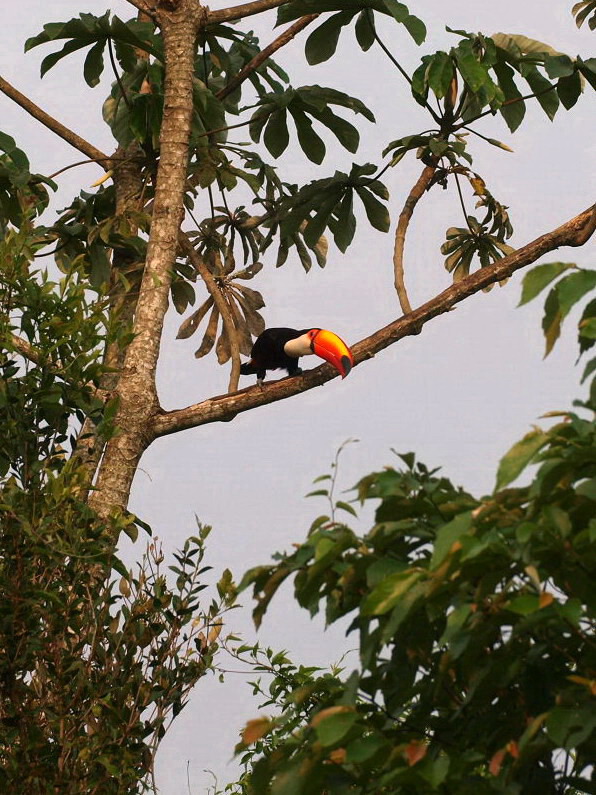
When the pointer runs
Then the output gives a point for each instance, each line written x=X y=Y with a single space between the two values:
x=221 y=304
x=243 y=10
x=275 y=45
x=55 y=126
x=416 y=193
x=25 y=349
x=224 y=408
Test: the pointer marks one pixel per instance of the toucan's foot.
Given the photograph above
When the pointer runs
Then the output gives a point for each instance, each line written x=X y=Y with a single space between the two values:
x=261 y=383
x=296 y=371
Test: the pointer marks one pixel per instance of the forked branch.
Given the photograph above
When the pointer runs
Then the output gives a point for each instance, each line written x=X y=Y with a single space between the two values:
x=267 y=52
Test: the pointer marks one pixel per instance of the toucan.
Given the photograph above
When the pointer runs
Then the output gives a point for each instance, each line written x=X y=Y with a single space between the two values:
x=280 y=348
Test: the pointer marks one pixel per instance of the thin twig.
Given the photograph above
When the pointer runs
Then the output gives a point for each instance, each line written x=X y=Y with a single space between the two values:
x=74 y=165
x=117 y=73
x=399 y=67
x=461 y=201
x=54 y=125
x=414 y=197
x=275 y=45
x=508 y=102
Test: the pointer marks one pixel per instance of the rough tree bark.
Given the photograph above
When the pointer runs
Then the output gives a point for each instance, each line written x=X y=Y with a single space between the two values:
x=180 y=22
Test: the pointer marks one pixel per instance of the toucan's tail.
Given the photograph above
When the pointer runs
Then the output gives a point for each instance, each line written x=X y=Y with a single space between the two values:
x=248 y=368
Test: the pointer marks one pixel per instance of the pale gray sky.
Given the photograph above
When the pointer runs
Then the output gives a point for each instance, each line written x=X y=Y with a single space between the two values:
x=459 y=394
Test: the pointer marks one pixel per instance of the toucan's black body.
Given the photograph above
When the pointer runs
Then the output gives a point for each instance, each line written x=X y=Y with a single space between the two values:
x=268 y=353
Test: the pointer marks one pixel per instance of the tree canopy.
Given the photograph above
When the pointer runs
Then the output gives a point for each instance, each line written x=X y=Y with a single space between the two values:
x=98 y=658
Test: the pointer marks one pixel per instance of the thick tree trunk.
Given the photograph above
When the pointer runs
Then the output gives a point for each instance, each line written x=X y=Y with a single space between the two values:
x=136 y=386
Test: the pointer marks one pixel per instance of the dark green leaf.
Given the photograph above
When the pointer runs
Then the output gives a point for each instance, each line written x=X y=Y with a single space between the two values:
x=365 y=30
x=377 y=213
x=312 y=145
x=322 y=43
x=276 y=137
x=345 y=225
x=569 y=90
x=93 y=66
x=558 y=66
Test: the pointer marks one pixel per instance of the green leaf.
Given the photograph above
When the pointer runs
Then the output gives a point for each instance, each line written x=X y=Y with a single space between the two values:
x=346 y=133
x=316 y=225
x=322 y=43
x=519 y=456
x=568 y=727
x=473 y=72
x=415 y=27
x=524 y=605
x=276 y=137
x=389 y=591
x=439 y=73
x=551 y=321
x=573 y=288
x=376 y=212
x=93 y=66
x=545 y=94
x=447 y=535
x=365 y=30
x=311 y=143
x=539 y=277
x=332 y=729
x=558 y=66
x=345 y=227
x=513 y=108
x=569 y=90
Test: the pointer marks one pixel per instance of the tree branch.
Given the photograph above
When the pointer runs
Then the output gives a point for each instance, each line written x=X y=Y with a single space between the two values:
x=55 y=126
x=416 y=193
x=143 y=7
x=223 y=408
x=241 y=11
x=25 y=349
x=275 y=45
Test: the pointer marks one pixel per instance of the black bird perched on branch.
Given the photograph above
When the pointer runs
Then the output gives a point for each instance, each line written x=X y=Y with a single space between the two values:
x=280 y=348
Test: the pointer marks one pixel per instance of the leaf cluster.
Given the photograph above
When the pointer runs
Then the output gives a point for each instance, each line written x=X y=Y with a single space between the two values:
x=475 y=621
x=96 y=661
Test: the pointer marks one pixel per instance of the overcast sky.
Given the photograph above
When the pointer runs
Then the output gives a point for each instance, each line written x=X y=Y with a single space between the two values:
x=459 y=394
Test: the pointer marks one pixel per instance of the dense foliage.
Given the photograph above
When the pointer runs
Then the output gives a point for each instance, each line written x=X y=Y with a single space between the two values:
x=475 y=621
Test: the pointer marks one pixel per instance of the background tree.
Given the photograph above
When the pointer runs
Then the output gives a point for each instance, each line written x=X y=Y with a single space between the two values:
x=168 y=112
x=475 y=621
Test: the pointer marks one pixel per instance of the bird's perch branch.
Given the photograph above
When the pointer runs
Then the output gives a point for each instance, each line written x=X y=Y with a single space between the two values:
x=243 y=10
x=225 y=407
x=416 y=194
x=55 y=126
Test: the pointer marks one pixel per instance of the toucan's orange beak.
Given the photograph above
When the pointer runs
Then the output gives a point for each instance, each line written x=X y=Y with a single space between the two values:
x=334 y=350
